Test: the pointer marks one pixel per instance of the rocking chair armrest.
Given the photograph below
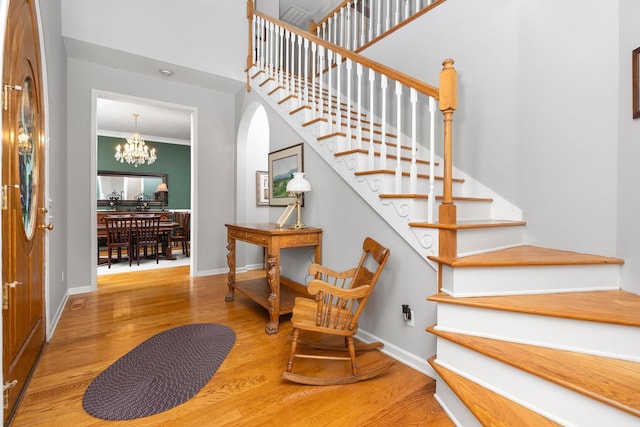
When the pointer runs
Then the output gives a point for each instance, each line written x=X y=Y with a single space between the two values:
x=317 y=268
x=316 y=286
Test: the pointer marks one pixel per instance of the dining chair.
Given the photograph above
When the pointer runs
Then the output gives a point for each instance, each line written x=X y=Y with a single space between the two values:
x=182 y=233
x=146 y=234
x=119 y=233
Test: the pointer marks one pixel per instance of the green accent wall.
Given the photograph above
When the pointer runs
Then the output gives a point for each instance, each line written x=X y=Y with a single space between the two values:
x=173 y=159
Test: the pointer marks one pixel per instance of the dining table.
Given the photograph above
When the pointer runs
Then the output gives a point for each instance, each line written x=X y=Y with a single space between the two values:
x=166 y=229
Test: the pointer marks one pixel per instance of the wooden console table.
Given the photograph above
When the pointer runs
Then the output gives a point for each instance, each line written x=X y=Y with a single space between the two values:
x=267 y=291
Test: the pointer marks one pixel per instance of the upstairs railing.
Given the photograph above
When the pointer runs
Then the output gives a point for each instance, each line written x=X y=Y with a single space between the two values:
x=327 y=81
x=355 y=24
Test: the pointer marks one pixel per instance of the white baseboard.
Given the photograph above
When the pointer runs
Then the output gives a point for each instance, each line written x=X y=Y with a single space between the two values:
x=418 y=363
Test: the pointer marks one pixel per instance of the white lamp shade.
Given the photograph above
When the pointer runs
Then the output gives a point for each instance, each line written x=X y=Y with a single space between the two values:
x=162 y=187
x=298 y=184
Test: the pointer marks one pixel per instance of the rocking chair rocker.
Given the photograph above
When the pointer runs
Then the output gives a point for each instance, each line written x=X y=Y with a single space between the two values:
x=340 y=298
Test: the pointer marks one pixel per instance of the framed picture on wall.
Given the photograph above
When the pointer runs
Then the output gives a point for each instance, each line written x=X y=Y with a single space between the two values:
x=282 y=164
x=635 y=75
x=262 y=188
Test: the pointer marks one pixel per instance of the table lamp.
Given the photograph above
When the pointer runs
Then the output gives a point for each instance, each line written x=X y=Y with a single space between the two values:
x=298 y=186
x=163 y=190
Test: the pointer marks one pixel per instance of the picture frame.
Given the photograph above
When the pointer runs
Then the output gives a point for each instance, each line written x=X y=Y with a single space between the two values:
x=282 y=164
x=635 y=76
x=262 y=188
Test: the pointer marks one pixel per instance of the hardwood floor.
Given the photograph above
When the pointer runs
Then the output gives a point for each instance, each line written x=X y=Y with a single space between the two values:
x=98 y=328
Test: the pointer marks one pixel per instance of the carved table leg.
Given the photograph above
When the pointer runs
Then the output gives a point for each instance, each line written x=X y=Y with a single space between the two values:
x=231 y=262
x=273 y=277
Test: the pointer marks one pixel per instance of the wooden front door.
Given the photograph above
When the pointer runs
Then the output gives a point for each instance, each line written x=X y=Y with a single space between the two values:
x=23 y=209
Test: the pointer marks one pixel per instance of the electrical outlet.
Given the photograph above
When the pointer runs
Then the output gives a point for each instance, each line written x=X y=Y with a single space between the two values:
x=410 y=321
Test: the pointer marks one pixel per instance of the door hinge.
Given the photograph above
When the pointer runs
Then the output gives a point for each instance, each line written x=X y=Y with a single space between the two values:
x=5 y=392
x=5 y=196
x=5 y=293
x=5 y=94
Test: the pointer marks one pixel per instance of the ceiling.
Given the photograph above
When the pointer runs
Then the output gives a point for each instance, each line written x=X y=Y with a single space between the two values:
x=165 y=124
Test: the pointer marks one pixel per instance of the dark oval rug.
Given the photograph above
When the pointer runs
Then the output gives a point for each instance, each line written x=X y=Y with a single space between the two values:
x=159 y=374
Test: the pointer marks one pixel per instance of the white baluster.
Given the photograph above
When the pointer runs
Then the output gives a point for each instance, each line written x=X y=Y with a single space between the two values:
x=354 y=22
x=406 y=9
x=298 y=84
x=335 y=28
x=292 y=77
x=287 y=61
x=432 y=161
x=417 y=7
x=371 y=20
x=342 y=27
x=413 y=170
x=362 y=24
x=379 y=18
x=396 y=19
x=329 y=88
x=383 y=110
x=338 y=91
x=281 y=58
x=372 y=151
x=269 y=43
x=321 y=67
x=387 y=18
x=349 y=131
x=314 y=104
x=306 y=71
x=359 y=110
x=398 y=181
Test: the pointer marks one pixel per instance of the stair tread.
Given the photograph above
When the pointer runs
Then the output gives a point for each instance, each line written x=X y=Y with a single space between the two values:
x=490 y=408
x=610 y=381
x=615 y=307
x=526 y=255
x=377 y=154
x=426 y=196
x=392 y=172
x=470 y=224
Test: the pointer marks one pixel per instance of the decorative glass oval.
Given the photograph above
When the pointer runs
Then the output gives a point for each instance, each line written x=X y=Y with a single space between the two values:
x=27 y=160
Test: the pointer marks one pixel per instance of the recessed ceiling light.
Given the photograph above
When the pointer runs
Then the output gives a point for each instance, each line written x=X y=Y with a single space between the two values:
x=165 y=72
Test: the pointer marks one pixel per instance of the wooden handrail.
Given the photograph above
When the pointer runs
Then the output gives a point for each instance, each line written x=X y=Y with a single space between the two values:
x=405 y=79
x=313 y=26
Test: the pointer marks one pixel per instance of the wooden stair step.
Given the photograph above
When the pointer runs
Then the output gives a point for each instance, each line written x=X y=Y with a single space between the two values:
x=392 y=172
x=613 y=382
x=426 y=196
x=377 y=154
x=526 y=255
x=614 y=307
x=469 y=225
x=490 y=408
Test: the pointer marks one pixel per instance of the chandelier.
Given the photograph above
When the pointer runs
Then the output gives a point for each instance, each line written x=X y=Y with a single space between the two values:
x=135 y=151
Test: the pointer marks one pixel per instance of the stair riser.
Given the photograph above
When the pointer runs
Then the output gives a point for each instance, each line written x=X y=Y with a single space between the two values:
x=521 y=280
x=418 y=208
x=478 y=240
x=601 y=339
x=548 y=399
x=453 y=406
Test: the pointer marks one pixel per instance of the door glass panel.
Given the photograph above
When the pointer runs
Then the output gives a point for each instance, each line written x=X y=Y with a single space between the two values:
x=27 y=158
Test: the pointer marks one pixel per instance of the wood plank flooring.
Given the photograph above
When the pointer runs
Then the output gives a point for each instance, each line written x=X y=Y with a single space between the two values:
x=98 y=328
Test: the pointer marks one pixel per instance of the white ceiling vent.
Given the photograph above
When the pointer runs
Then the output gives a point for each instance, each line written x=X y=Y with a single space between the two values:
x=296 y=16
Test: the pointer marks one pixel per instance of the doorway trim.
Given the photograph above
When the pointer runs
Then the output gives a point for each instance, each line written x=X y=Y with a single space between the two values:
x=95 y=95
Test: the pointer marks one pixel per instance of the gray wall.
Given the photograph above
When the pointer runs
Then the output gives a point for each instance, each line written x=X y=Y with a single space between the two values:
x=56 y=87
x=213 y=152
x=537 y=118
x=628 y=150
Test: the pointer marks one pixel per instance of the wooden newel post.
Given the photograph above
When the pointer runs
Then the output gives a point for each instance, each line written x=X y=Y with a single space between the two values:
x=312 y=26
x=447 y=211
x=250 y=43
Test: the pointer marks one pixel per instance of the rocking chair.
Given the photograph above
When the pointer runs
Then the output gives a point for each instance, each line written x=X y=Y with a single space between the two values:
x=340 y=298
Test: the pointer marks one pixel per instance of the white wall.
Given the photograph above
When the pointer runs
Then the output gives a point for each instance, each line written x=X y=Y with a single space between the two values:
x=164 y=30
x=213 y=150
x=56 y=143
x=628 y=151
x=537 y=116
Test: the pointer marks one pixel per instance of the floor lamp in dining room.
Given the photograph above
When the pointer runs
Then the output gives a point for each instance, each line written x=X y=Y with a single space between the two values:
x=163 y=190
